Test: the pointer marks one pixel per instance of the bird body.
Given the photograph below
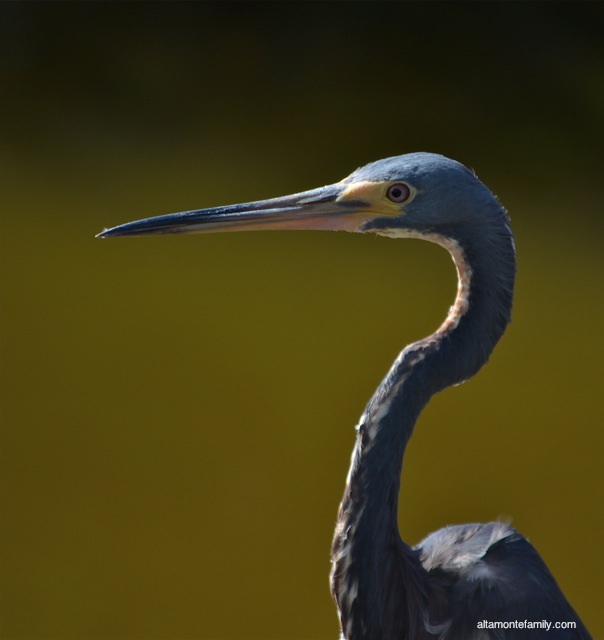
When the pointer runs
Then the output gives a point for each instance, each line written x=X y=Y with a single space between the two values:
x=463 y=578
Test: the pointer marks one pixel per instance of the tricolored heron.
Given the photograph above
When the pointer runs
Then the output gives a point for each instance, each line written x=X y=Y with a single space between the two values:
x=462 y=582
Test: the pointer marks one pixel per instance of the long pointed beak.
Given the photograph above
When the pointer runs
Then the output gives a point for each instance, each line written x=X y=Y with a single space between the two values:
x=322 y=208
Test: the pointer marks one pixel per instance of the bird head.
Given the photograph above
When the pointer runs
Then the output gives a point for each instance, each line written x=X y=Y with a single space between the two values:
x=405 y=195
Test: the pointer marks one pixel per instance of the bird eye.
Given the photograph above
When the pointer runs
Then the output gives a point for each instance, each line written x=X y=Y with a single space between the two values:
x=398 y=192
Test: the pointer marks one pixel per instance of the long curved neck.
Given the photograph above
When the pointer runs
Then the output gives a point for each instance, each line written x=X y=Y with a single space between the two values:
x=372 y=569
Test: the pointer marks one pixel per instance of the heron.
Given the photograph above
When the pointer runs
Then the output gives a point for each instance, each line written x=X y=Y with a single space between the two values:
x=471 y=581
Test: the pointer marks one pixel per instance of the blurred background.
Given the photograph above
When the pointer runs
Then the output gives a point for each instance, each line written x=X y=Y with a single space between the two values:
x=177 y=413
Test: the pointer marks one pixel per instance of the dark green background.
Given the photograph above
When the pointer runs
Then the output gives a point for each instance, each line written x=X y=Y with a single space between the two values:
x=177 y=412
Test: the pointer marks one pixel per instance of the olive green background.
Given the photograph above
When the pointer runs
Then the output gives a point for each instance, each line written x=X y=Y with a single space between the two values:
x=177 y=413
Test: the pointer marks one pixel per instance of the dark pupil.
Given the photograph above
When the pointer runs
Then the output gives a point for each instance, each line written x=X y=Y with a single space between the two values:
x=397 y=192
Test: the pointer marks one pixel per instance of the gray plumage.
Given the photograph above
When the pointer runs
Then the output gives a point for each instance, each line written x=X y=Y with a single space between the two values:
x=462 y=578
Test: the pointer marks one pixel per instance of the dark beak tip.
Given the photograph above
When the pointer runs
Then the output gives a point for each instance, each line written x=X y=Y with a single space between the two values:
x=108 y=233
